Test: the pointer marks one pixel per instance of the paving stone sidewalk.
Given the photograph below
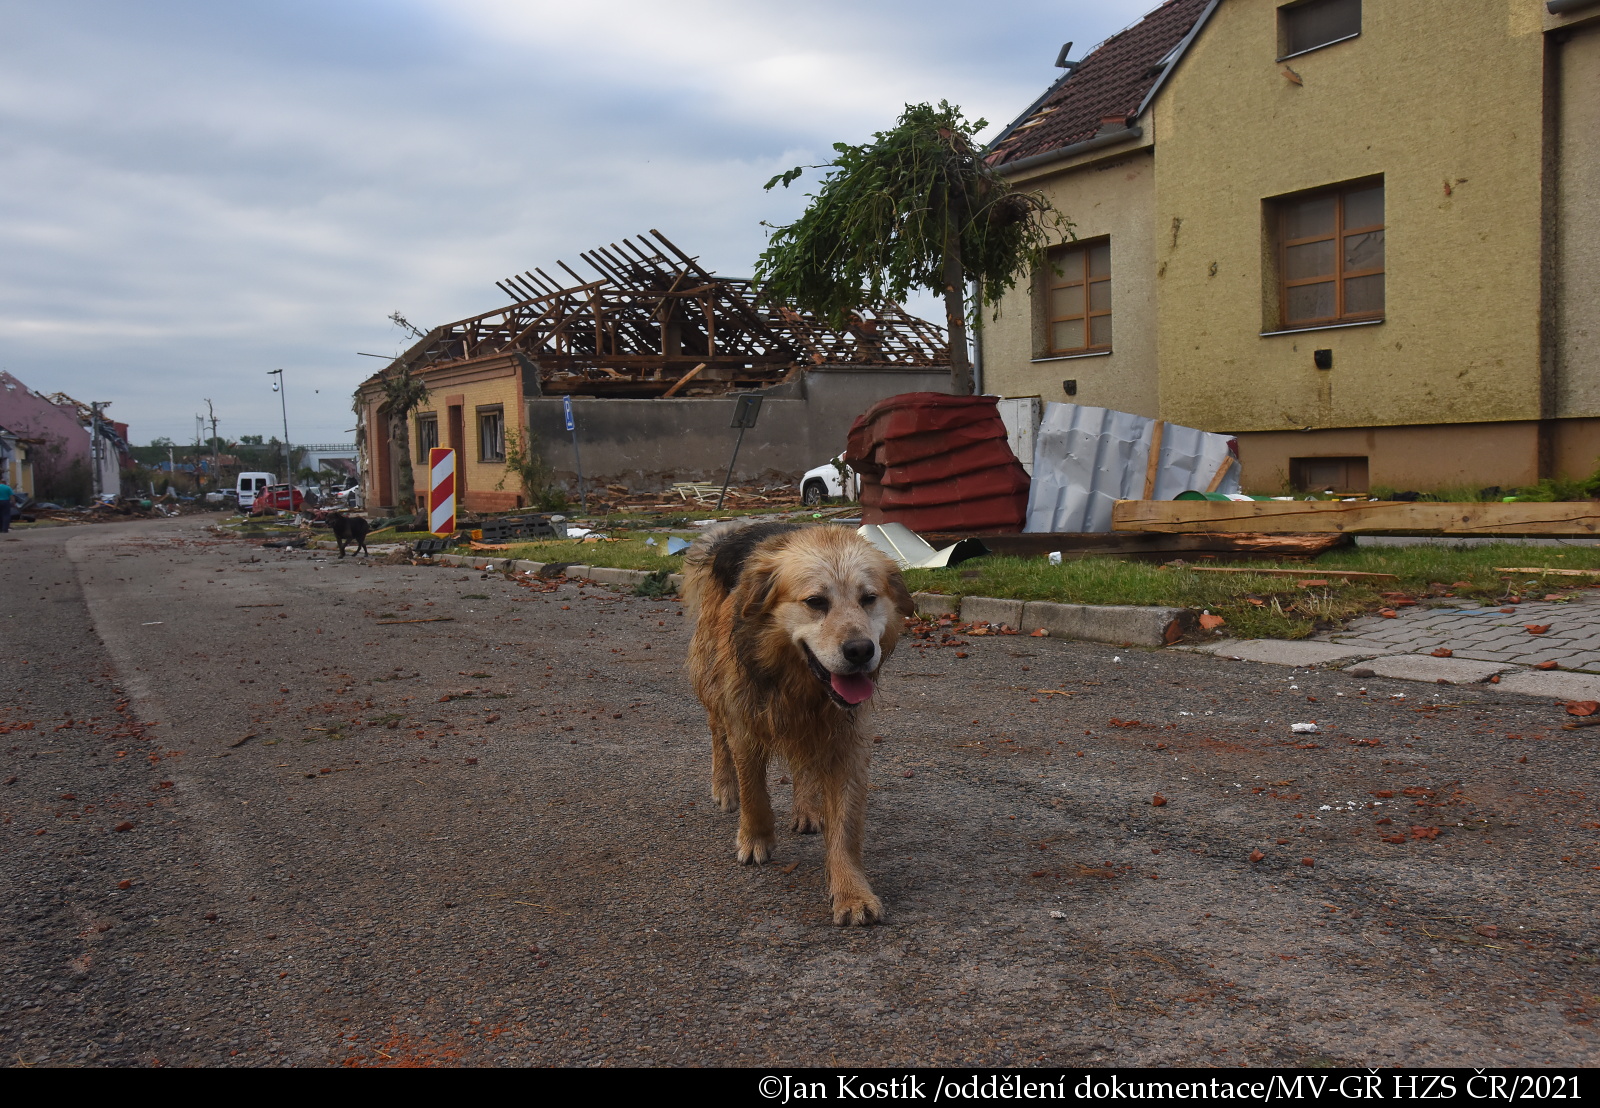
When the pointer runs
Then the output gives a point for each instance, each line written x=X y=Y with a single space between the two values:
x=1484 y=642
x=1490 y=634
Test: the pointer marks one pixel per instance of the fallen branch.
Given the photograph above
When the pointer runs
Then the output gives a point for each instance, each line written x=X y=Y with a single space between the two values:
x=1546 y=569
x=435 y=619
x=1315 y=571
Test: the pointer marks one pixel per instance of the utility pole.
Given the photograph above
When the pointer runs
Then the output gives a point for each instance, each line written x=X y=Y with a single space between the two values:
x=277 y=387
x=96 y=444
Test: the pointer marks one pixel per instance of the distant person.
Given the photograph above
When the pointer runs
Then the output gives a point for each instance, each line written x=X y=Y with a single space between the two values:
x=5 y=507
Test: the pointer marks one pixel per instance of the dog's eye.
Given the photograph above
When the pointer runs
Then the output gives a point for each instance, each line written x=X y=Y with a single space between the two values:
x=817 y=603
x=869 y=600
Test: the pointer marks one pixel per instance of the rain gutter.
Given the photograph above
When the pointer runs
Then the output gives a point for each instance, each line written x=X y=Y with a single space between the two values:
x=1049 y=157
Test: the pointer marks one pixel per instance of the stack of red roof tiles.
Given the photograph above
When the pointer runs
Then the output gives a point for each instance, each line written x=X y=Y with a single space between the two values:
x=937 y=463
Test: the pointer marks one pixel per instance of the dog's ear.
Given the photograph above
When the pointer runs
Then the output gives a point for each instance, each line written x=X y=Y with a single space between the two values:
x=900 y=594
x=757 y=588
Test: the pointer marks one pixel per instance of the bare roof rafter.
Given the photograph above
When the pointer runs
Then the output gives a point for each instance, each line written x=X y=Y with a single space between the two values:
x=652 y=313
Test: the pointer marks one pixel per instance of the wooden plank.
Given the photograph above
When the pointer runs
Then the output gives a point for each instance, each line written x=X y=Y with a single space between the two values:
x=1222 y=471
x=1547 y=569
x=684 y=380
x=1342 y=574
x=1154 y=462
x=1145 y=544
x=1364 y=517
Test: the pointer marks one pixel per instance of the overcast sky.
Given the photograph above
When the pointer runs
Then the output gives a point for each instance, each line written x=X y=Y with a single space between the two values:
x=198 y=192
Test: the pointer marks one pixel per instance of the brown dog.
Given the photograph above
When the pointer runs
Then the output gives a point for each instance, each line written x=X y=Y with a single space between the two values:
x=794 y=623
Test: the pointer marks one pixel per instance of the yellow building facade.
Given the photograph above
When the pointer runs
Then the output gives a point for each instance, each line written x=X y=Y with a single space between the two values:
x=472 y=408
x=1361 y=237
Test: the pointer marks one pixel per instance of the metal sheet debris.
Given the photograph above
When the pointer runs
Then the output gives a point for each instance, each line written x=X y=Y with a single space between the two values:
x=1087 y=458
x=909 y=551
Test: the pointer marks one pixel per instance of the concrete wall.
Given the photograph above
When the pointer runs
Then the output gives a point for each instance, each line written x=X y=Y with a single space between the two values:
x=1113 y=196
x=1576 y=283
x=1443 y=98
x=649 y=444
x=1424 y=458
x=1430 y=457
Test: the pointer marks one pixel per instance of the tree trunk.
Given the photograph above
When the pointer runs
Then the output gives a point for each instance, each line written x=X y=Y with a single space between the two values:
x=406 y=485
x=955 y=308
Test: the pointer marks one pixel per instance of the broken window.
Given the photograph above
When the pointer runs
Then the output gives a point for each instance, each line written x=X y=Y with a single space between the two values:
x=427 y=435
x=491 y=434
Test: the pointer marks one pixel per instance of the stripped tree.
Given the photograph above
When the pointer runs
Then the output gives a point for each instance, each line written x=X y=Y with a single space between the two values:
x=917 y=207
x=403 y=394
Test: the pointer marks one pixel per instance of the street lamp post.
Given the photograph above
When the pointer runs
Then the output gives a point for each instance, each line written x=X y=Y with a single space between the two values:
x=277 y=387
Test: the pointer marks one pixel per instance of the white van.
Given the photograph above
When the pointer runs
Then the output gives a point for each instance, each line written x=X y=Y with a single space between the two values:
x=250 y=484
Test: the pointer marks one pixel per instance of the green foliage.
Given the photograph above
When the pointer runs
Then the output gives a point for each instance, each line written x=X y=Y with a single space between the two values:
x=880 y=223
x=658 y=584
x=629 y=553
x=526 y=462
x=1550 y=489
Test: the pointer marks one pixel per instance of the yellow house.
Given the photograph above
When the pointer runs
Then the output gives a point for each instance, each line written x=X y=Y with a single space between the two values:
x=1363 y=238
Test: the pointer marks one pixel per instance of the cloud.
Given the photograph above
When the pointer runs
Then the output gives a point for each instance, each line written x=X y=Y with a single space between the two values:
x=198 y=193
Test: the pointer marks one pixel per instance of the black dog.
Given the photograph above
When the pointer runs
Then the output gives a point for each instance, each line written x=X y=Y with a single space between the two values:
x=348 y=529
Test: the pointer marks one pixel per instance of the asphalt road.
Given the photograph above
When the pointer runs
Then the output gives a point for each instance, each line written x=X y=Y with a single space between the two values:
x=246 y=822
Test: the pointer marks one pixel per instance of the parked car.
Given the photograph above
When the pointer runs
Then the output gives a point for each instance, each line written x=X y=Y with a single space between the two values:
x=830 y=481
x=277 y=498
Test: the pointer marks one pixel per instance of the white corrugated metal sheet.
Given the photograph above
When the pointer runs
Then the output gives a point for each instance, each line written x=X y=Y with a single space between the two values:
x=1086 y=459
x=1021 y=415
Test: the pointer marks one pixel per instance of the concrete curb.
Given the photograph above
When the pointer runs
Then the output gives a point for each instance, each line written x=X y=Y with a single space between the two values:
x=1107 y=623
x=1425 y=667
x=1282 y=652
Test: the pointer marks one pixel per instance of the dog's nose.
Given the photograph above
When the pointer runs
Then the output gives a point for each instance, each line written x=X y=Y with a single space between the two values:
x=857 y=651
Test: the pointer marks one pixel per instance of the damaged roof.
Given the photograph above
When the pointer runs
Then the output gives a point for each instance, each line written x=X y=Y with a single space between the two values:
x=1113 y=82
x=651 y=320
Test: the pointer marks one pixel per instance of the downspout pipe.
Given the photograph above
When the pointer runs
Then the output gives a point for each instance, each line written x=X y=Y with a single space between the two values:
x=977 y=338
x=1113 y=138
x=1562 y=7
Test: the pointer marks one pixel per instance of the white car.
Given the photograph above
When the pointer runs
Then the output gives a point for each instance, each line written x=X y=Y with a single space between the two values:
x=830 y=481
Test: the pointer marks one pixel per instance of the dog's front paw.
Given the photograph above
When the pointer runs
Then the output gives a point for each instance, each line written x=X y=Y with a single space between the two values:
x=754 y=851
x=807 y=821
x=726 y=796
x=857 y=909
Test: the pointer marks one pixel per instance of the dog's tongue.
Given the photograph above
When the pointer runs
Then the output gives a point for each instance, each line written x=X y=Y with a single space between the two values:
x=853 y=688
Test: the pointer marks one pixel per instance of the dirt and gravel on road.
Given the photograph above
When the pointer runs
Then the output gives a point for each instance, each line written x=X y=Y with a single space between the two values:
x=255 y=813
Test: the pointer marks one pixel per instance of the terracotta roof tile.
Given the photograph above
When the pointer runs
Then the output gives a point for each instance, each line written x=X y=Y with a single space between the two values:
x=1111 y=82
